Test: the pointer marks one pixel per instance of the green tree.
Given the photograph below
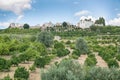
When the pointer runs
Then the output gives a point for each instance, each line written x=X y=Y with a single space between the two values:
x=21 y=73
x=46 y=38
x=64 y=24
x=101 y=20
x=81 y=45
x=26 y=26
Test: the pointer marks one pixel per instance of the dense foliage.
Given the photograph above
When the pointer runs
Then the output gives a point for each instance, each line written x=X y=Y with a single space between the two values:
x=81 y=45
x=46 y=38
x=70 y=70
x=21 y=74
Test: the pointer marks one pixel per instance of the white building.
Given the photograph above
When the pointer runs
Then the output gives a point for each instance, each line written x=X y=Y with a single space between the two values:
x=16 y=25
x=49 y=24
x=85 y=23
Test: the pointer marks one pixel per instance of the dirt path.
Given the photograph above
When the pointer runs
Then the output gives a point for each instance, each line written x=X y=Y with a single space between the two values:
x=118 y=62
x=57 y=59
x=35 y=75
x=100 y=61
x=82 y=59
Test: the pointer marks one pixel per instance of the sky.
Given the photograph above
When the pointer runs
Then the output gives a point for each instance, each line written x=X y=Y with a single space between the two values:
x=36 y=12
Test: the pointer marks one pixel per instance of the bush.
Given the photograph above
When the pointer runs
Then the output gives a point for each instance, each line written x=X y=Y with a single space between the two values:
x=23 y=47
x=118 y=57
x=41 y=61
x=112 y=63
x=4 y=49
x=13 y=47
x=14 y=60
x=91 y=60
x=32 y=68
x=66 y=70
x=68 y=42
x=73 y=56
x=81 y=45
x=39 y=47
x=4 y=64
x=76 y=52
x=46 y=38
x=71 y=70
x=58 y=45
x=21 y=73
x=62 y=52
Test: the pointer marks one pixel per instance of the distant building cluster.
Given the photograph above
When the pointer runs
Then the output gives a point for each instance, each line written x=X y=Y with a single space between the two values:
x=86 y=23
x=16 y=25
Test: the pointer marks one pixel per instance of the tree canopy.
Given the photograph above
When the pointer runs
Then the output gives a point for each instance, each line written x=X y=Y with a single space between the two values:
x=26 y=26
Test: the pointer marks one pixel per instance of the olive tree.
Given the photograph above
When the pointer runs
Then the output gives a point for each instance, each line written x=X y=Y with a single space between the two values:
x=46 y=38
x=81 y=45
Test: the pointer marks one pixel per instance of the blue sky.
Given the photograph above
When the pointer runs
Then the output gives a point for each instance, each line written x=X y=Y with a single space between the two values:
x=40 y=11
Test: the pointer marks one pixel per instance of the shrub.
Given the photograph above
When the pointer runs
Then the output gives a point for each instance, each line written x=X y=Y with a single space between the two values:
x=23 y=47
x=13 y=47
x=21 y=74
x=62 y=52
x=14 y=60
x=91 y=60
x=76 y=52
x=112 y=63
x=118 y=57
x=71 y=70
x=81 y=45
x=46 y=38
x=4 y=49
x=39 y=47
x=41 y=61
x=68 y=42
x=32 y=68
x=66 y=70
x=4 y=64
x=58 y=45
x=73 y=56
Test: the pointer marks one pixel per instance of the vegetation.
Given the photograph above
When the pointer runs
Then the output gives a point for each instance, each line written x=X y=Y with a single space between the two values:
x=26 y=26
x=70 y=70
x=21 y=74
x=46 y=38
x=36 y=47
x=81 y=45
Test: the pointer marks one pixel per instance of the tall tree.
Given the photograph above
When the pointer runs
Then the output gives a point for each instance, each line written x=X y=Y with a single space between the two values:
x=101 y=20
x=26 y=26
x=64 y=24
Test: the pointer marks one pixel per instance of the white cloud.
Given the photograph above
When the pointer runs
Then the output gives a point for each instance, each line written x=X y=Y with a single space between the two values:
x=81 y=13
x=16 y=6
x=116 y=9
x=19 y=17
x=88 y=17
x=76 y=2
x=4 y=25
x=118 y=15
x=114 y=22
